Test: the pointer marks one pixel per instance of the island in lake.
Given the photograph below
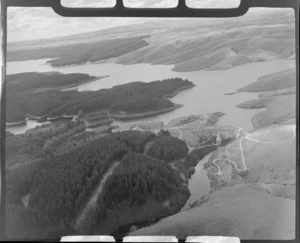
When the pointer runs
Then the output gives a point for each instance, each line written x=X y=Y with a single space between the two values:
x=41 y=95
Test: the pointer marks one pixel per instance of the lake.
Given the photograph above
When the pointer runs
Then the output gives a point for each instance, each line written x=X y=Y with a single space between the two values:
x=207 y=96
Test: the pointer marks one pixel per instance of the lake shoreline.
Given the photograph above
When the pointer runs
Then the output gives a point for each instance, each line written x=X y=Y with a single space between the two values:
x=37 y=119
x=168 y=96
x=46 y=118
x=188 y=100
x=15 y=123
x=144 y=114
x=75 y=86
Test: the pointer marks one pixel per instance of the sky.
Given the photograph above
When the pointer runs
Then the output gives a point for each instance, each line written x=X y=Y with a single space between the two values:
x=39 y=23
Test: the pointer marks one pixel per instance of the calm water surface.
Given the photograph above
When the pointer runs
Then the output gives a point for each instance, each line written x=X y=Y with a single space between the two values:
x=207 y=96
x=29 y=124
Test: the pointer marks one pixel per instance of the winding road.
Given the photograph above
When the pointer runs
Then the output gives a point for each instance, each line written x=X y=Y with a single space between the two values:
x=248 y=136
x=285 y=141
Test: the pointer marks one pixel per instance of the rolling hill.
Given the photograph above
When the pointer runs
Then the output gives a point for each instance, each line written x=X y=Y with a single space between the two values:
x=278 y=98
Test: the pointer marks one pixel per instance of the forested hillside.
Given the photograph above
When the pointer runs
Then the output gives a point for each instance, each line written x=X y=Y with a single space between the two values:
x=25 y=97
x=58 y=186
x=137 y=178
x=168 y=148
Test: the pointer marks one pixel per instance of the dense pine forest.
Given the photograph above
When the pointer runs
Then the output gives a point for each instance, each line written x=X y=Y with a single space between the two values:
x=168 y=148
x=63 y=183
x=137 y=178
x=59 y=185
x=25 y=97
